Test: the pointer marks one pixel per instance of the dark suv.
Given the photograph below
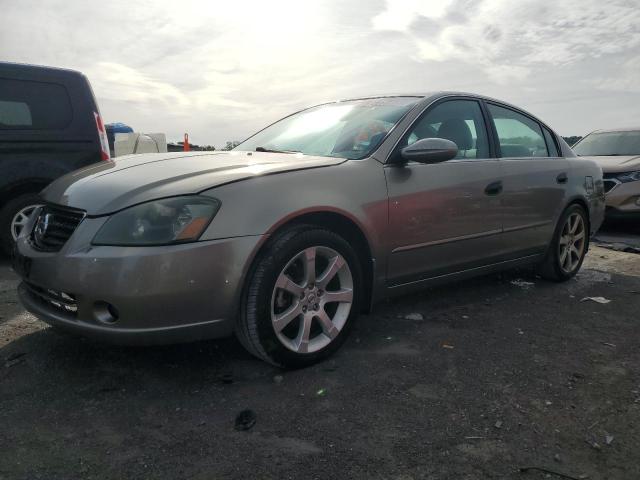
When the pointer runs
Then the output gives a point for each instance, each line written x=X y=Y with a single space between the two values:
x=49 y=125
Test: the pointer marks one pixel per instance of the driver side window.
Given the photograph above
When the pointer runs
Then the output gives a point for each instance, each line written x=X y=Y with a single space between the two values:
x=460 y=121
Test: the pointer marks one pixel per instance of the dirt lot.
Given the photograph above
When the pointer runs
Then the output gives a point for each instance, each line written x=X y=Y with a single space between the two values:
x=622 y=236
x=493 y=375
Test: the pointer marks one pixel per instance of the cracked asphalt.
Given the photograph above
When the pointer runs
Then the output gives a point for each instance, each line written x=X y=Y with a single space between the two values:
x=472 y=380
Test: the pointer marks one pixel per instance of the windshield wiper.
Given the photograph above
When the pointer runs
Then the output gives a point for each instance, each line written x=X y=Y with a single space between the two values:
x=271 y=150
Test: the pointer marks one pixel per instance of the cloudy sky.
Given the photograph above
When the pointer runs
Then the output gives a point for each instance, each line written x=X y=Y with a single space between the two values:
x=222 y=69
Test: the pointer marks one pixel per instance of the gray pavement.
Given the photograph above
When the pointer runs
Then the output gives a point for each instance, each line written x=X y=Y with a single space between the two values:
x=468 y=381
x=623 y=236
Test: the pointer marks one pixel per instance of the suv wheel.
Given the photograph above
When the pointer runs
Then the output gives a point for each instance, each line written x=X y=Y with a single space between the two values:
x=301 y=298
x=13 y=217
x=568 y=247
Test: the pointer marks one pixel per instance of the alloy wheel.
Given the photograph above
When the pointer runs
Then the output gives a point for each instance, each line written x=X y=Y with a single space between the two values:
x=572 y=243
x=312 y=299
x=20 y=219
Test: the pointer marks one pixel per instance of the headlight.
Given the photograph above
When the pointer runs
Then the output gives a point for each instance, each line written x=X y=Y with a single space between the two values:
x=629 y=176
x=161 y=222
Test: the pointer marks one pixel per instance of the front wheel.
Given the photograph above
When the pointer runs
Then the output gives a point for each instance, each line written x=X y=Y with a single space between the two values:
x=301 y=298
x=569 y=245
x=14 y=216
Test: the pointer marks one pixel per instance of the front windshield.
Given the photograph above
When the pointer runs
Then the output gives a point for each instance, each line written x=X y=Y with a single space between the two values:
x=609 y=143
x=351 y=129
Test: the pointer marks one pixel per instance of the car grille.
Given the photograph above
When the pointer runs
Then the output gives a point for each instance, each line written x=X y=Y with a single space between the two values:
x=54 y=226
x=61 y=301
x=609 y=185
x=610 y=182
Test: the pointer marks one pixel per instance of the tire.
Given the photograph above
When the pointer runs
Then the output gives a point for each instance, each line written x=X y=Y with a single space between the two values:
x=7 y=215
x=560 y=265
x=275 y=321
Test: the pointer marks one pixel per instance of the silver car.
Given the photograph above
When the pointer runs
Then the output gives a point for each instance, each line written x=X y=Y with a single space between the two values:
x=618 y=153
x=287 y=238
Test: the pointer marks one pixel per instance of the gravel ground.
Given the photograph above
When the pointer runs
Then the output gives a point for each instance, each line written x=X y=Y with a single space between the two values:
x=468 y=381
x=621 y=236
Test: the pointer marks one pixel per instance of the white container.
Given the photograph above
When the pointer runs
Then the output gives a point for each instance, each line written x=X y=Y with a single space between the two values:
x=131 y=143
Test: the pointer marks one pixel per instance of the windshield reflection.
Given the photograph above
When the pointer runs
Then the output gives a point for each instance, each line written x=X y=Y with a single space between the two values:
x=351 y=129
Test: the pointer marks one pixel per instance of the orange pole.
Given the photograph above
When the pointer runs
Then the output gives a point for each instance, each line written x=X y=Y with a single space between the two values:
x=186 y=142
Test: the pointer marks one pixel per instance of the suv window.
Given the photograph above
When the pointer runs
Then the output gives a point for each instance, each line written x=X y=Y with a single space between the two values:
x=460 y=121
x=26 y=105
x=519 y=136
x=551 y=143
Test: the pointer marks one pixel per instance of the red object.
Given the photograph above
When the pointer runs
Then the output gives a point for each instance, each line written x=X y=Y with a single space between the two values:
x=186 y=142
x=102 y=134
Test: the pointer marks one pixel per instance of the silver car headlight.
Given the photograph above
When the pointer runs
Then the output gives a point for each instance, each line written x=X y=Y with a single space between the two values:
x=629 y=176
x=160 y=222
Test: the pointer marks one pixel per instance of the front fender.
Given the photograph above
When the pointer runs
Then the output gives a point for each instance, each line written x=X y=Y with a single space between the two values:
x=259 y=206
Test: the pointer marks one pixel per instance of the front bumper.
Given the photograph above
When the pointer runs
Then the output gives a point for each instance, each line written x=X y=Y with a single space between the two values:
x=613 y=213
x=622 y=201
x=136 y=295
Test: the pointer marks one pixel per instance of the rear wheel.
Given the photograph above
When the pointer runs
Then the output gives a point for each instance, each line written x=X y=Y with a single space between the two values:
x=569 y=245
x=301 y=298
x=13 y=217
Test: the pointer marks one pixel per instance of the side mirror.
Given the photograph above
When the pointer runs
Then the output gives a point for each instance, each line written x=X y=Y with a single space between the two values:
x=430 y=150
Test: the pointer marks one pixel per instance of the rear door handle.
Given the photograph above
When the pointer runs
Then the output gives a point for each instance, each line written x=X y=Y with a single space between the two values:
x=562 y=177
x=494 y=188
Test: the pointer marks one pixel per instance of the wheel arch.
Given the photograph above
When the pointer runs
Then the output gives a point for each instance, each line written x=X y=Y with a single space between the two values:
x=30 y=185
x=336 y=221
x=577 y=200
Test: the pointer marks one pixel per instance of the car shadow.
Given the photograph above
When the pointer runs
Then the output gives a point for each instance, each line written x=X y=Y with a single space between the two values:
x=83 y=360
x=50 y=354
x=621 y=235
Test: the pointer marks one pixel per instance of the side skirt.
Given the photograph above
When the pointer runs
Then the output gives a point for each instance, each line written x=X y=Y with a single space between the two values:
x=417 y=285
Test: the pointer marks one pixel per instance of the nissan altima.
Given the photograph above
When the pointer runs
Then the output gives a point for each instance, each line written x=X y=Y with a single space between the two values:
x=287 y=238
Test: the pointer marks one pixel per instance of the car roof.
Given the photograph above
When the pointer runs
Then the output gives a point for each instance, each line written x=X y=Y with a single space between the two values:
x=11 y=67
x=432 y=95
x=613 y=130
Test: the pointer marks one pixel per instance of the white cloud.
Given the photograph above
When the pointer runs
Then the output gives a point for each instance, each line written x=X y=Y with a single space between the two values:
x=625 y=78
x=130 y=85
x=400 y=14
x=507 y=39
x=222 y=69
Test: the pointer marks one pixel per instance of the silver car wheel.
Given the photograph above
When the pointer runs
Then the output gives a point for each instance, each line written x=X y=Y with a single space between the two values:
x=20 y=219
x=312 y=299
x=572 y=243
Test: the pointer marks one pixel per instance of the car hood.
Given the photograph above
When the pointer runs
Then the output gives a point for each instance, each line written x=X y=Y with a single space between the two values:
x=622 y=163
x=106 y=187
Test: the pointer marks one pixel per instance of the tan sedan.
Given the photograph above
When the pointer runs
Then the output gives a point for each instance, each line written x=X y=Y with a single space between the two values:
x=287 y=238
x=618 y=153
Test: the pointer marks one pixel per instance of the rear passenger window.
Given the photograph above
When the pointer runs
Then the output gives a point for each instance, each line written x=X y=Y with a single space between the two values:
x=519 y=136
x=460 y=121
x=26 y=105
x=551 y=143
x=15 y=114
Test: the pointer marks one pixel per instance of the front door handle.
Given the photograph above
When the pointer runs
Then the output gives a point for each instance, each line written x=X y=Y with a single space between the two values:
x=494 y=188
x=562 y=177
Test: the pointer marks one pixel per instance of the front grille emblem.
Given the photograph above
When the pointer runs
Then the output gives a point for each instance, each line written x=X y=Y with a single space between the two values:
x=41 y=227
x=54 y=226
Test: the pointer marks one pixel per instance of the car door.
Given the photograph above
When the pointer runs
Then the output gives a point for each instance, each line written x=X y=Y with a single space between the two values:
x=535 y=178
x=444 y=217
